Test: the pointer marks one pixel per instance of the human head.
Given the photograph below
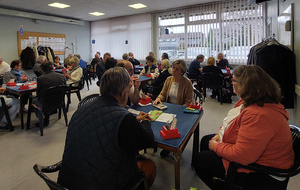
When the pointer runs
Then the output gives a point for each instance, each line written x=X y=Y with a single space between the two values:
x=182 y=65
x=97 y=55
x=16 y=65
x=70 y=55
x=130 y=54
x=255 y=86
x=110 y=62
x=149 y=60
x=165 y=64
x=211 y=61
x=115 y=82
x=74 y=61
x=220 y=56
x=46 y=67
x=78 y=56
x=106 y=56
x=200 y=58
x=127 y=65
x=40 y=59
x=152 y=54
x=56 y=59
x=125 y=56
x=164 y=56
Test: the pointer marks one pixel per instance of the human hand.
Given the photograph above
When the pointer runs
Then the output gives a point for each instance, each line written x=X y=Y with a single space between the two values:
x=24 y=78
x=157 y=101
x=2 y=90
x=211 y=144
x=136 y=83
x=143 y=116
x=216 y=138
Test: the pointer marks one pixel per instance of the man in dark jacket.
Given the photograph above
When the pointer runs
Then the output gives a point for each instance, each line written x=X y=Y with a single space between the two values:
x=103 y=139
x=48 y=79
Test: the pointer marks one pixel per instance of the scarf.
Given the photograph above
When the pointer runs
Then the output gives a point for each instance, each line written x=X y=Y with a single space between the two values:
x=75 y=68
x=17 y=74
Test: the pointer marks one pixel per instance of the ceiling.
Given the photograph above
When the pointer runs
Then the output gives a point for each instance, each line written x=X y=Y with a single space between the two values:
x=80 y=9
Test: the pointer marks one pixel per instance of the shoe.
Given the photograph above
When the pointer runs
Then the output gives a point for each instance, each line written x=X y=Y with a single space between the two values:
x=164 y=153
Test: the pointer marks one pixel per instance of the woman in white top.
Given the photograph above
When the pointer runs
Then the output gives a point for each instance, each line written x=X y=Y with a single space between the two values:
x=74 y=73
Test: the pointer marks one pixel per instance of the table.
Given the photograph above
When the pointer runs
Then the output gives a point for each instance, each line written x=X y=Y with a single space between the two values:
x=187 y=124
x=138 y=69
x=15 y=90
x=143 y=78
x=225 y=72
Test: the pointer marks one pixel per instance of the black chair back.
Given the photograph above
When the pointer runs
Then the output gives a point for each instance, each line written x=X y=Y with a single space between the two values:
x=4 y=111
x=212 y=80
x=88 y=99
x=40 y=170
x=296 y=146
x=198 y=96
x=53 y=98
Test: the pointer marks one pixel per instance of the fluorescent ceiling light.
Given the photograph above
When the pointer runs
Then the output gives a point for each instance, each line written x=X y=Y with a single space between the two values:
x=58 y=5
x=97 y=14
x=137 y=6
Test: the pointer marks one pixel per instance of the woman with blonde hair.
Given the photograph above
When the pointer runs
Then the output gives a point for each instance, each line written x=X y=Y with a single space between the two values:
x=74 y=73
x=210 y=67
x=154 y=57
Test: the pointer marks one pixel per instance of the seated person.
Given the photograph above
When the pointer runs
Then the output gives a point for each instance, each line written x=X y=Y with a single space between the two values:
x=177 y=89
x=255 y=131
x=10 y=101
x=110 y=63
x=158 y=83
x=109 y=162
x=45 y=81
x=194 y=71
x=74 y=73
x=4 y=67
x=19 y=76
x=134 y=93
x=132 y=59
x=221 y=62
x=210 y=67
x=57 y=64
x=81 y=63
x=154 y=57
x=67 y=60
x=37 y=66
x=100 y=68
x=150 y=68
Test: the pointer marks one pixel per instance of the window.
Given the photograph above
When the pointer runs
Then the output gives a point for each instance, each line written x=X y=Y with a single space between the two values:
x=231 y=27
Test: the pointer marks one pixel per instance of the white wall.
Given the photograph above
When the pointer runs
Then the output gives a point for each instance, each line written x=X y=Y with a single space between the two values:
x=110 y=36
x=272 y=12
x=80 y=35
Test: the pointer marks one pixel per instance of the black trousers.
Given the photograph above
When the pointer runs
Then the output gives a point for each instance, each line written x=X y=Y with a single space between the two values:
x=209 y=165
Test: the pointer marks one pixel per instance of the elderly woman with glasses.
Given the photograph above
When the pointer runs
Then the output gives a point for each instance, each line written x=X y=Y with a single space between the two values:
x=256 y=130
x=74 y=73
x=16 y=73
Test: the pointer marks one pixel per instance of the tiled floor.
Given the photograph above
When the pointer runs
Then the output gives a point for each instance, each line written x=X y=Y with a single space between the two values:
x=21 y=149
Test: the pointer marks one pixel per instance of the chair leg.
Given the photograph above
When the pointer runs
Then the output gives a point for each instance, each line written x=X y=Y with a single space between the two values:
x=68 y=101
x=30 y=109
x=41 y=122
x=59 y=113
x=87 y=83
x=78 y=95
x=220 y=92
x=65 y=115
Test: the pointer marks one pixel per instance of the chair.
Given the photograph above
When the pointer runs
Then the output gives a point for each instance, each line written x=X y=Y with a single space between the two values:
x=87 y=78
x=52 y=99
x=74 y=88
x=4 y=109
x=213 y=81
x=194 y=77
x=198 y=95
x=87 y=99
x=41 y=170
x=294 y=170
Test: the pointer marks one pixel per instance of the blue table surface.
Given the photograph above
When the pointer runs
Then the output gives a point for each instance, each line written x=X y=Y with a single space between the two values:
x=144 y=78
x=185 y=122
x=16 y=88
x=138 y=67
x=225 y=71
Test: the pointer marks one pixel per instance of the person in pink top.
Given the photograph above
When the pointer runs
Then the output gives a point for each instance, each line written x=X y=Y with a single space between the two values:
x=256 y=130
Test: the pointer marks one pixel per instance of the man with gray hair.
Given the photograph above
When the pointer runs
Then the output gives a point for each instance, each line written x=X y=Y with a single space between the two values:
x=37 y=66
x=4 y=67
x=103 y=139
x=125 y=56
x=194 y=71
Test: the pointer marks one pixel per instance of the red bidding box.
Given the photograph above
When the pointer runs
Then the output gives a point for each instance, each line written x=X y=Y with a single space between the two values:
x=146 y=100
x=10 y=84
x=169 y=134
x=195 y=106
x=24 y=87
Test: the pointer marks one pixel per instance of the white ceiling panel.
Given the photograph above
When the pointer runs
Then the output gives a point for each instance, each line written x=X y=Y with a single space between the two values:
x=80 y=9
